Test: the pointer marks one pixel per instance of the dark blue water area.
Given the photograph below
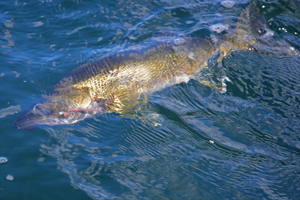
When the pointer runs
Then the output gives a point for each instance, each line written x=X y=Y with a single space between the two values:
x=243 y=144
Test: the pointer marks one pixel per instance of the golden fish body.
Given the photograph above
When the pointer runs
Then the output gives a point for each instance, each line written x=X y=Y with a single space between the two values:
x=129 y=75
x=120 y=81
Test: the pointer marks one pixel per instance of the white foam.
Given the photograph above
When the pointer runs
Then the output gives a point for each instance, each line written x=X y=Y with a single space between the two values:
x=224 y=86
x=219 y=28
x=228 y=4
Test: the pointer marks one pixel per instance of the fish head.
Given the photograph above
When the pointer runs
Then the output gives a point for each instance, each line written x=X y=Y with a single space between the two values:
x=49 y=111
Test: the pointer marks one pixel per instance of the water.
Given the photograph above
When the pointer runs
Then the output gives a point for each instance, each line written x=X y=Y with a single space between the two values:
x=243 y=144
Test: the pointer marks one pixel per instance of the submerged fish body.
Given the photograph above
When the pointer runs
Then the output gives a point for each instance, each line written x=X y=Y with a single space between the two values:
x=120 y=81
x=117 y=82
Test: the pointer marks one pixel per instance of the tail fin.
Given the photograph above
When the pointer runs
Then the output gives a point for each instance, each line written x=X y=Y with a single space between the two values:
x=253 y=24
x=252 y=21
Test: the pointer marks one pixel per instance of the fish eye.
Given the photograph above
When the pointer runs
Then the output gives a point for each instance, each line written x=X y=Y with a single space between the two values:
x=41 y=109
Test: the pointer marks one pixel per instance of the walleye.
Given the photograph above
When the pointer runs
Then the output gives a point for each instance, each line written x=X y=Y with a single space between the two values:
x=121 y=81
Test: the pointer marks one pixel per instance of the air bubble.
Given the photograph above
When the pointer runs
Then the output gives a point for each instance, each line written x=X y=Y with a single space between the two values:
x=219 y=28
x=228 y=4
x=3 y=160
x=9 y=177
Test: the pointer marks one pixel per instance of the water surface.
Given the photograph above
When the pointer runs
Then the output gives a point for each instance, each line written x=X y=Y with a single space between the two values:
x=243 y=144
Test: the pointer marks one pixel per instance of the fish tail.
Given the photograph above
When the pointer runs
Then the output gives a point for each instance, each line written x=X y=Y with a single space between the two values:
x=252 y=21
x=252 y=28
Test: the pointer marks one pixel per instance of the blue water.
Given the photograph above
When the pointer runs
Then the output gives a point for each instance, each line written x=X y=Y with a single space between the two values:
x=244 y=144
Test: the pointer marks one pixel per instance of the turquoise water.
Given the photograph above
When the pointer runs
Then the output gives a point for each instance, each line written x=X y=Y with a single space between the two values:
x=243 y=144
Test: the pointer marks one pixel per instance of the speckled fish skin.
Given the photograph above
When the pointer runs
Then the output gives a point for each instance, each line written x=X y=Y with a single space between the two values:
x=117 y=82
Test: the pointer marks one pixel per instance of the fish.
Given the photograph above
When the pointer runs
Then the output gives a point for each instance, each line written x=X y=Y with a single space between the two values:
x=119 y=82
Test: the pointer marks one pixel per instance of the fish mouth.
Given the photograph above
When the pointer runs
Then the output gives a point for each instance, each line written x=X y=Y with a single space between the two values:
x=41 y=114
x=25 y=120
x=30 y=120
x=21 y=123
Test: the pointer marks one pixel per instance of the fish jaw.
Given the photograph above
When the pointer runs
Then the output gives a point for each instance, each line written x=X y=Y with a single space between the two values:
x=47 y=113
